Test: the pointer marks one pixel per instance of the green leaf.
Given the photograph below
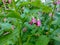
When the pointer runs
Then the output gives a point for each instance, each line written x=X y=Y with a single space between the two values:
x=6 y=38
x=56 y=35
x=56 y=42
x=43 y=40
x=12 y=14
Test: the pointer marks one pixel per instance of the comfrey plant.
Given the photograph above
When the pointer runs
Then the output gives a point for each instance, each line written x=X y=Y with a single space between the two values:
x=29 y=22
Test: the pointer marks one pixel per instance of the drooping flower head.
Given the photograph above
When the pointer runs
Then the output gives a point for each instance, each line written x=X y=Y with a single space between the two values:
x=33 y=20
x=58 y=1
x=9 y=1
x=38 y=23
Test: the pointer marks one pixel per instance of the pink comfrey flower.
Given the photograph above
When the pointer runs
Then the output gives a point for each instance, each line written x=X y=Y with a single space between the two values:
x=9 y=1
x=38 y=23
x=33 y=20
x=58 y=1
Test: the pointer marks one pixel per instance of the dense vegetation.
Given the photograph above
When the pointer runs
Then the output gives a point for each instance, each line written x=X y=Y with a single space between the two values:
x=29 y=22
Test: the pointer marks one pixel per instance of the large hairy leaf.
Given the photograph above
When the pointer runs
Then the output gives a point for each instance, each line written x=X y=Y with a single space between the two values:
x=10 y=37
x=12 y=14
x=56 y=35
x=43 y=40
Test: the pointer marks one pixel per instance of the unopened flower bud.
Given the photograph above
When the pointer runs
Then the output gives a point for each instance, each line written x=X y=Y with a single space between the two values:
x=4 y=20
x=58 y=1
x=4 y=1
x=24 y=29
x=12 y=27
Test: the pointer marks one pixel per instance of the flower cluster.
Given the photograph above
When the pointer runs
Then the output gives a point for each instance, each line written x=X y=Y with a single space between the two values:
x=58 y=1
x=9 y=1
x=34 y=21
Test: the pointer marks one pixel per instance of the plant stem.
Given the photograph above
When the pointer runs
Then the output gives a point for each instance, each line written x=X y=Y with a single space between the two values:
x=19 y=31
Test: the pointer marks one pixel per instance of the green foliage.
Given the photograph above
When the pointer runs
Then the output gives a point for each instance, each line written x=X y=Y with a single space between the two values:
x=16 y=27
x=43 y=40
